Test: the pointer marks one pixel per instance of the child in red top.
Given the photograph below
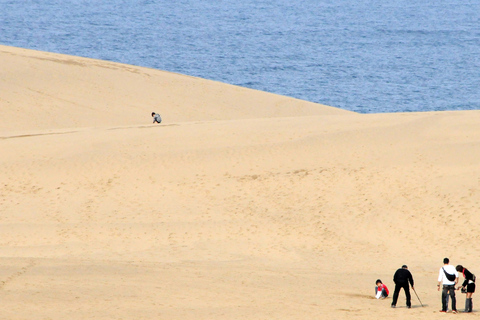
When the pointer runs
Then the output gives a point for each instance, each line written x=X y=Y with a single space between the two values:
x=381 y=290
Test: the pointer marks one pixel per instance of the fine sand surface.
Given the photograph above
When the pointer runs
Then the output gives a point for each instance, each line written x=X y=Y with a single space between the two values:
x=240 y=205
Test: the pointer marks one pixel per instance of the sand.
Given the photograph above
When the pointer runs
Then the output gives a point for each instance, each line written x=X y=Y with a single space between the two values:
x=240 y=205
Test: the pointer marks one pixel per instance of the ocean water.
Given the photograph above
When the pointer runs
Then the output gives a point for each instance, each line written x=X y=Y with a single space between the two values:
x=366 y=56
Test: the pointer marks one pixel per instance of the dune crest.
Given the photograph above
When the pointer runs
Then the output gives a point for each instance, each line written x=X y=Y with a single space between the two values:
x=43 y=90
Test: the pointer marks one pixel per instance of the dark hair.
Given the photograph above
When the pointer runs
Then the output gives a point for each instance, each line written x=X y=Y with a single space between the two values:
x=378 y=280
x=459 y=267
x=446 y=260
x=404 y=266
x=153 y=113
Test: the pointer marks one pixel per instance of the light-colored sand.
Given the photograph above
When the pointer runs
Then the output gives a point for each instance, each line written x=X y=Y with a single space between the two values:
x=241 y=205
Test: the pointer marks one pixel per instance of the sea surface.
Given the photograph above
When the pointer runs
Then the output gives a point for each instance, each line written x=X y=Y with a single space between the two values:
x=361 y=55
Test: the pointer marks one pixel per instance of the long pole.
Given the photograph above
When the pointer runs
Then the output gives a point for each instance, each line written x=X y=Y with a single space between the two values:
x=417 y=296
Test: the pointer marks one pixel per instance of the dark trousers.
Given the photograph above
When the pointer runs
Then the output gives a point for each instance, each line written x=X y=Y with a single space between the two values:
x=448 y=290
x=405 y=287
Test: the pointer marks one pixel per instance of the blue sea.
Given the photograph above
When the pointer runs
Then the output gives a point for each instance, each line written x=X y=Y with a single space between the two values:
x=361 y=55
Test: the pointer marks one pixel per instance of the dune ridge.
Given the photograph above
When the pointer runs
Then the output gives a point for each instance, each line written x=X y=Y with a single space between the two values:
x=241 y=205
x=52 y=91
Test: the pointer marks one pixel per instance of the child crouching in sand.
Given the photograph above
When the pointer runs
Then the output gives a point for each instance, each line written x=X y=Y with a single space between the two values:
x=381 y=290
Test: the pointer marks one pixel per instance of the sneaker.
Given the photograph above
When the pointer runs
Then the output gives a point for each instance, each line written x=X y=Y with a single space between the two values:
x=443 y=311
x=454 y=311
x=408 y=307
x=393 y=306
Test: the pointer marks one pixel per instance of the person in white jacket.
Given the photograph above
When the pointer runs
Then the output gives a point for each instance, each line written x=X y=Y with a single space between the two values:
x=448 y=279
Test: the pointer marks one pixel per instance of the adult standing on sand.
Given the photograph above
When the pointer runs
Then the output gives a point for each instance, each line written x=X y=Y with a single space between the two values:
x=448 y=277
x=156 y=117
x=468 y=285
x=402 y=278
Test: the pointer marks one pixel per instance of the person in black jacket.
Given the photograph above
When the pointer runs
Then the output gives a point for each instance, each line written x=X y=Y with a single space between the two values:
x=468 y=285
x=401 y=278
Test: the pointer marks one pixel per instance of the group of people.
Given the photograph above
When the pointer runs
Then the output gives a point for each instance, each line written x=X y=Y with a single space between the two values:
x=447 y=281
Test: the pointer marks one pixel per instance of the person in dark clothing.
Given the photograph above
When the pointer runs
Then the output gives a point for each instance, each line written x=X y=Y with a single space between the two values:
x=402 y=278
x=468 y=285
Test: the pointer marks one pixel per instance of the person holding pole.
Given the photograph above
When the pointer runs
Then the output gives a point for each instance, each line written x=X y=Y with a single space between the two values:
x=448 y=278
x=402 y=278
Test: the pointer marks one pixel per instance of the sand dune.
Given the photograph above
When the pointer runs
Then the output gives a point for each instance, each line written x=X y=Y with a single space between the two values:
x=241 y=205
x=50 y=91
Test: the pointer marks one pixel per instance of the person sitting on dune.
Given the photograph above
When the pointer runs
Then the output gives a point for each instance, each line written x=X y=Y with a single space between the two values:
x=381 y=290
x=156 y=117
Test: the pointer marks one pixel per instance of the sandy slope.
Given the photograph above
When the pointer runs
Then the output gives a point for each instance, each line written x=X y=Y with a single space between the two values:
x=252 y=206
x=49 y=91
